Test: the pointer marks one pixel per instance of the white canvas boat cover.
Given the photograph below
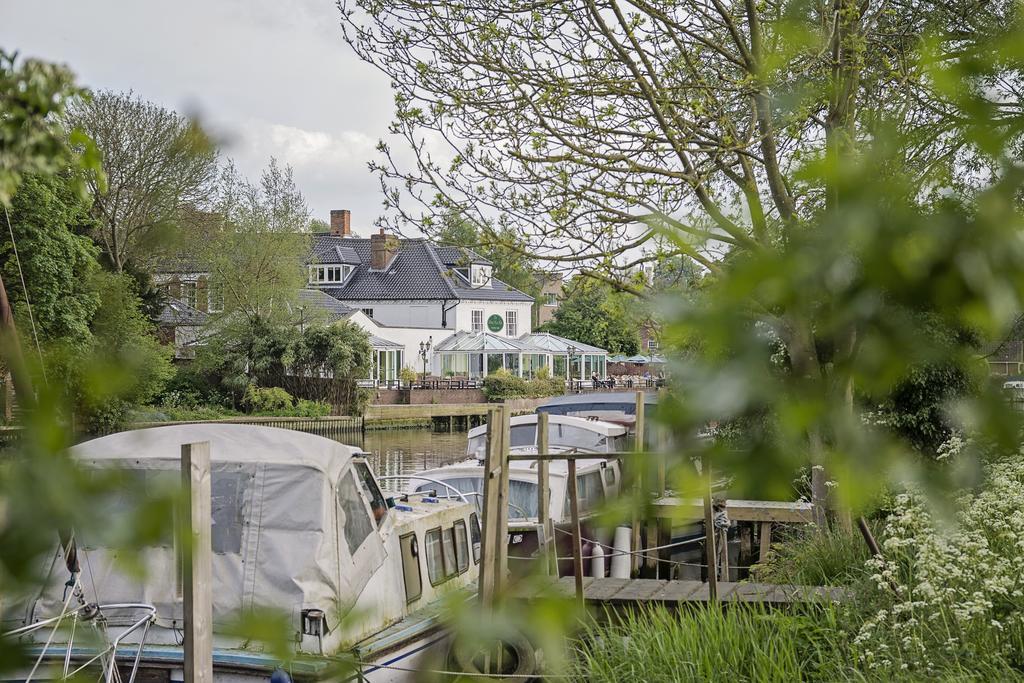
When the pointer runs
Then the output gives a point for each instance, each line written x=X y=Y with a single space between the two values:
x=286 y=509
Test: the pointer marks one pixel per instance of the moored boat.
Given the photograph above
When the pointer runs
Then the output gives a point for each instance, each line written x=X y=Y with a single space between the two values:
x=300 y=525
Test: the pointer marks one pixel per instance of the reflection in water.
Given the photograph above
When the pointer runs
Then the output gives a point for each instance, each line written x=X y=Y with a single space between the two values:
x=406 y=451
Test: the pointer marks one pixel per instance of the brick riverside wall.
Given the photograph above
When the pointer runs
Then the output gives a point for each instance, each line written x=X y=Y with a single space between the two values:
x=392 y=397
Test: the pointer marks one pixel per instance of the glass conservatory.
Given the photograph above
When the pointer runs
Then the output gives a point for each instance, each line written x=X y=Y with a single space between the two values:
x=478 y=354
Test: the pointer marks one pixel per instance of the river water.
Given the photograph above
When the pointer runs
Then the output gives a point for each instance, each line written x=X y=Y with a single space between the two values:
x=407 y=451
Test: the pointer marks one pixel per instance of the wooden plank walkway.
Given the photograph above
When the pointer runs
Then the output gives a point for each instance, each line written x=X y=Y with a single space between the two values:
x=621 y=592
x=682 y=509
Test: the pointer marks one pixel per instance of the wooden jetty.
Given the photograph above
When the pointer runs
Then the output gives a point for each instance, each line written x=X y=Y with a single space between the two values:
x=649 y=548
x=634 y=592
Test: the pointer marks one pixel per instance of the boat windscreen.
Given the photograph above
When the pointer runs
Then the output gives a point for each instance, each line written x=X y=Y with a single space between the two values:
x=572 y=436
x=522 y=494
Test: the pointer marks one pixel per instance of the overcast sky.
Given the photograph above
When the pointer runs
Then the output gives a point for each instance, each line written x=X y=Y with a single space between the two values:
x=271 y=77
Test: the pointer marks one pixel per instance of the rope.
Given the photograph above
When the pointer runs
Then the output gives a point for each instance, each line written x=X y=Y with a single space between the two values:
x=28 y=302
x=619 y=553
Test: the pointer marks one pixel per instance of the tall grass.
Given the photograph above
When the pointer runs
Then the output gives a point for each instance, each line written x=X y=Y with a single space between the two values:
x=806 y=557
x=710 y=643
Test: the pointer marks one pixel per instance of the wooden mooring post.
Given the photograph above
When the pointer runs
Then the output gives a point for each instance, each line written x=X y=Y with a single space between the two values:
x=494 y=540
x=577 y=539
x=195 y=542
x=639 y=494
x=549 y=553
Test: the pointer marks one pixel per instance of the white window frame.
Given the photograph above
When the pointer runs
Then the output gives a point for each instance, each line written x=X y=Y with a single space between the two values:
x=551 y=299
x=652 y=344
x=480 y=276
x=214 y=297
x=476 y=320
x=368 y=312
x=190 y=293
x=331 y=274
x=512 y=323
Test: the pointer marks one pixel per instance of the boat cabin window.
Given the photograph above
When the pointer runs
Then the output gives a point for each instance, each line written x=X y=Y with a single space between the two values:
x=443 y=553
x=522 y=502
x=461 y=546
x=448 y=550
x=377 y=504
x=523 y=435
x=411 y=567
x=590 y=491
x=474 y=526
x=477 y=445
x=357 y=520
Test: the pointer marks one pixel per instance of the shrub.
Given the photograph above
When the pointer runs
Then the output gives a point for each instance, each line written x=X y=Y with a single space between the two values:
x=304 y=408
x=266 y=399
x=502 y=385
x=407 y=375
x=547 y=386
x=947 y=600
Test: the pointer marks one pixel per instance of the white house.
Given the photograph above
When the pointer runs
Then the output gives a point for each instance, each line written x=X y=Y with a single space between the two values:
x=405 y=293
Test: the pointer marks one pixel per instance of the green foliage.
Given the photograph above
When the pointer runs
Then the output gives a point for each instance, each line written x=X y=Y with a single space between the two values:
x=502 y=385
x=57 y=264
x=119 y=366
x=341 y=349
x=592 y=313
x=407 y=375
x=33 y=98
x=266 y=399
x=158 y=165
x=241 y=351
x=711 y=643
x=807 y=557
x=256 y=252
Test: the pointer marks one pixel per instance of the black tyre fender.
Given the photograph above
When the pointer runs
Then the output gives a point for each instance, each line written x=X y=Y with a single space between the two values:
x=466 y=655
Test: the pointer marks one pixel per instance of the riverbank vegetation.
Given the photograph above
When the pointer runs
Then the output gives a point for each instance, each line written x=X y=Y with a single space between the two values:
x=943 y=603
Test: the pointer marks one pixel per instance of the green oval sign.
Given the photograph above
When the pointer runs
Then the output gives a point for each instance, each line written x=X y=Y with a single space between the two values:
x=495 y=323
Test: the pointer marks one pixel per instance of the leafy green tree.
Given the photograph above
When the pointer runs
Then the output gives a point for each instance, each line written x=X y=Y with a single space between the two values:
x=58 y=265
x=34 y=96
x=255 y=249
x=593 y=313
x=119 y=366
x=157 y=164
x=340 y=351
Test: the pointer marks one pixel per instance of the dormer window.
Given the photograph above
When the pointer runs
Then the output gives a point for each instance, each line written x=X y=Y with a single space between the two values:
x=332 y=275
x=480 y=276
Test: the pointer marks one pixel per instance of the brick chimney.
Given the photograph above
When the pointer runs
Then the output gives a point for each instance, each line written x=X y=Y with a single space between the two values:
x=383 y=248
x=341 y=222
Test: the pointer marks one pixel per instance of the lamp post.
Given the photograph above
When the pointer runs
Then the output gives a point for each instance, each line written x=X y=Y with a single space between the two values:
x=424 y=353
x=302 y=327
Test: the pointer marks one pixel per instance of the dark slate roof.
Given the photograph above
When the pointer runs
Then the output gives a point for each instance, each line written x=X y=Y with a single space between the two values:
x=180 y=263
x=331 y=307
x=417 y=272
x=177 y=312
x=327 y=248
x=458 y=256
